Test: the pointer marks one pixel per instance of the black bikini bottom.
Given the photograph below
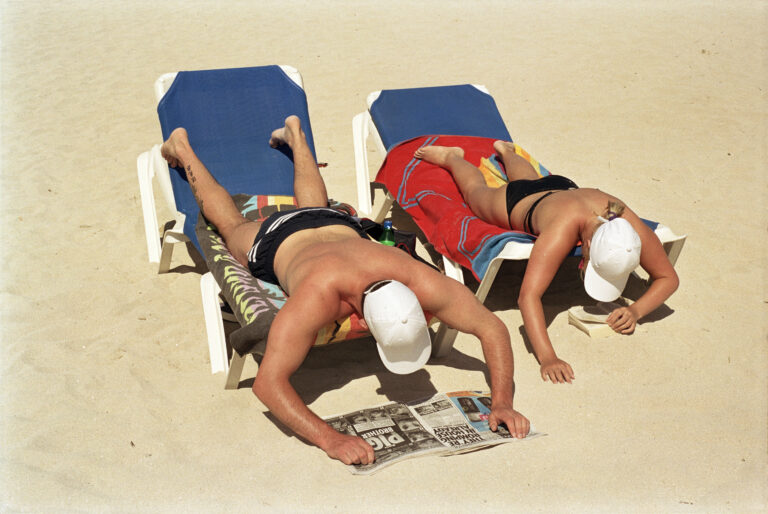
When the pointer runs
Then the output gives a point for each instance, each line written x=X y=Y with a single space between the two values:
x=519 y=189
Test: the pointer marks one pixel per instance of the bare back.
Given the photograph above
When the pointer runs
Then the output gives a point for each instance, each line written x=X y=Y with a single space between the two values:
x=326 y=272
x=307 y=252
x=573 y=206
x=337 y=258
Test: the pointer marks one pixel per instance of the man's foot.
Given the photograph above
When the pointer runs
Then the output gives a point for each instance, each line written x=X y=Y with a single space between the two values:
x=288 y=134
x=505 y=149
x=177 y=143
x=439 y=155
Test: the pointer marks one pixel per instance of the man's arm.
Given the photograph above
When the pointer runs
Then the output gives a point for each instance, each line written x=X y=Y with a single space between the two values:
x=291 y=336
x=455 y=305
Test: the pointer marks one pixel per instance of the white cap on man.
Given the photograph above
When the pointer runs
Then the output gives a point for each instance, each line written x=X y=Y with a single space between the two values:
x=613 y=254
x=395 y=318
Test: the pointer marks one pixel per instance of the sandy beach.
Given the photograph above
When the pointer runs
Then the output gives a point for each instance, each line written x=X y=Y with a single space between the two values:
x=108 y=403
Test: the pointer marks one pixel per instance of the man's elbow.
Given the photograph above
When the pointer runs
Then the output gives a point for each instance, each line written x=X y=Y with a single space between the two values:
x=260 y=388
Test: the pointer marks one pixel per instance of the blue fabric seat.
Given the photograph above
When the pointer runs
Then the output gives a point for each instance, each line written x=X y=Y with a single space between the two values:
x=230 y=115
x=463 y=110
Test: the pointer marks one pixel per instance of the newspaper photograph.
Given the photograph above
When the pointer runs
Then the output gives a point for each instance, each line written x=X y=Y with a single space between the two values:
x=392 y=431
x=446 y=423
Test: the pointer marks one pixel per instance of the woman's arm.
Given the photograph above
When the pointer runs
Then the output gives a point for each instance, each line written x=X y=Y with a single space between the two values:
x=665 y=281
x=547 y=255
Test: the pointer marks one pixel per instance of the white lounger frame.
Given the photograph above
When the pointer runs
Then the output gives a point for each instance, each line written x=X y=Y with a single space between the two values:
x=363 y=128
x=151 y=165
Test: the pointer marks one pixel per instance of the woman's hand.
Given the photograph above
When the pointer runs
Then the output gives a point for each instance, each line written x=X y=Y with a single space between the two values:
x=557 y=371
x=622 y=320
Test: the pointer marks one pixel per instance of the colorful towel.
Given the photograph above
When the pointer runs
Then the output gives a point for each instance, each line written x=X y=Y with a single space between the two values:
x=255 y=303
x=431 y=197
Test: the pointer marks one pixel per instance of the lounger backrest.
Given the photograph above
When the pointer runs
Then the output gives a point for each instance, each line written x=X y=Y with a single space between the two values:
x=462 y=110
x=229 y=115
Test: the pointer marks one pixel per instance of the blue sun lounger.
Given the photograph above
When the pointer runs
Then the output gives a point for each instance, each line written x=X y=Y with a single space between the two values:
x=400 y=115
x=229 y=115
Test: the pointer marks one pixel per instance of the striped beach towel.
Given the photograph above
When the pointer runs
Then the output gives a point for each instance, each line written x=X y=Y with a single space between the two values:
x=430 y=196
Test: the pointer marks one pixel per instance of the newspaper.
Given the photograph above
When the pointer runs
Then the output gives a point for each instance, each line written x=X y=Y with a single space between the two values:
x=445 y=424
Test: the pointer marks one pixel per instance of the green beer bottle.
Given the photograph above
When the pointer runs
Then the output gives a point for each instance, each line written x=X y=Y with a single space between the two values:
x=388 y=235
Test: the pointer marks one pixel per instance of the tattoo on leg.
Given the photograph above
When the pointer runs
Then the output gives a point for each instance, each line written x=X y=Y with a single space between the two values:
x=196 y=195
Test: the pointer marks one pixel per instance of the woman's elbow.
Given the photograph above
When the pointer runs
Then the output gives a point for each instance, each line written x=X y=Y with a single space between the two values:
x=526 y=297
x=667 y=284
x=674 y=282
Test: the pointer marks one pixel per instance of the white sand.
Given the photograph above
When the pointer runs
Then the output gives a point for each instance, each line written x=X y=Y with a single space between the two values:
x=107 y=400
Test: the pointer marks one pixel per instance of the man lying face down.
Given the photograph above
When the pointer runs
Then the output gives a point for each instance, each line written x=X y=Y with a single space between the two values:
x=329 y=270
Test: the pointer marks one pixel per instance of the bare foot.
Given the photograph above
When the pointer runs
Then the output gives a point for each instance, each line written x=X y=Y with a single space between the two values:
x=439 y=155
x=287 y=134
x=504 y=148
x=177 y=143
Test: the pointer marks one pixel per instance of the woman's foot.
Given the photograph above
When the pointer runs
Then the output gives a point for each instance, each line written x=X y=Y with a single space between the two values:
x=504 y=149
x=439 y=155
x=515 y=166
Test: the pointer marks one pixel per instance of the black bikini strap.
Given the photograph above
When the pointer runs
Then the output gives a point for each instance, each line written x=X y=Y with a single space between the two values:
x=529 y=215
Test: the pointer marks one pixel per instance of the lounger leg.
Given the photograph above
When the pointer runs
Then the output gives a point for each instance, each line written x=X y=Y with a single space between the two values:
x=389 y=200
x=359 y=137
x=488 y=278
x=446 y=336
x=444 y=340
x=673 y=250
x=214 y=325
x=235 y=371
x=165 y=255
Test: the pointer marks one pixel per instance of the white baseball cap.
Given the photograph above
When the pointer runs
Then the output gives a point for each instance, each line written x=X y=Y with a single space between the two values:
x=613 y=254
x=396 y=320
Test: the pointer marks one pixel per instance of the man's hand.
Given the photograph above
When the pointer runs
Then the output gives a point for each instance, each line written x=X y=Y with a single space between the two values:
x=517 y=424
x=557 y=371
x=349 y=449
x=622 y=320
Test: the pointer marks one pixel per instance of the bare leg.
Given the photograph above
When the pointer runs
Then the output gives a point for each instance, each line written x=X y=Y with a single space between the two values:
x=487 y=203
x=214 y=201
x=517 y=167
x=308 y=185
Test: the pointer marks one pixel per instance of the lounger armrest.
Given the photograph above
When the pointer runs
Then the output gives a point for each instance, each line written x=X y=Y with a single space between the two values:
x=146 y=173
x=151 y=166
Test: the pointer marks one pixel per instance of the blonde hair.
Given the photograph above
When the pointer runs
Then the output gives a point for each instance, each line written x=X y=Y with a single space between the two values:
x=614 y=209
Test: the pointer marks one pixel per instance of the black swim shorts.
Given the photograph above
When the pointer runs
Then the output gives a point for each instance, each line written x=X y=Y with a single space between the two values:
x=280 y=225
